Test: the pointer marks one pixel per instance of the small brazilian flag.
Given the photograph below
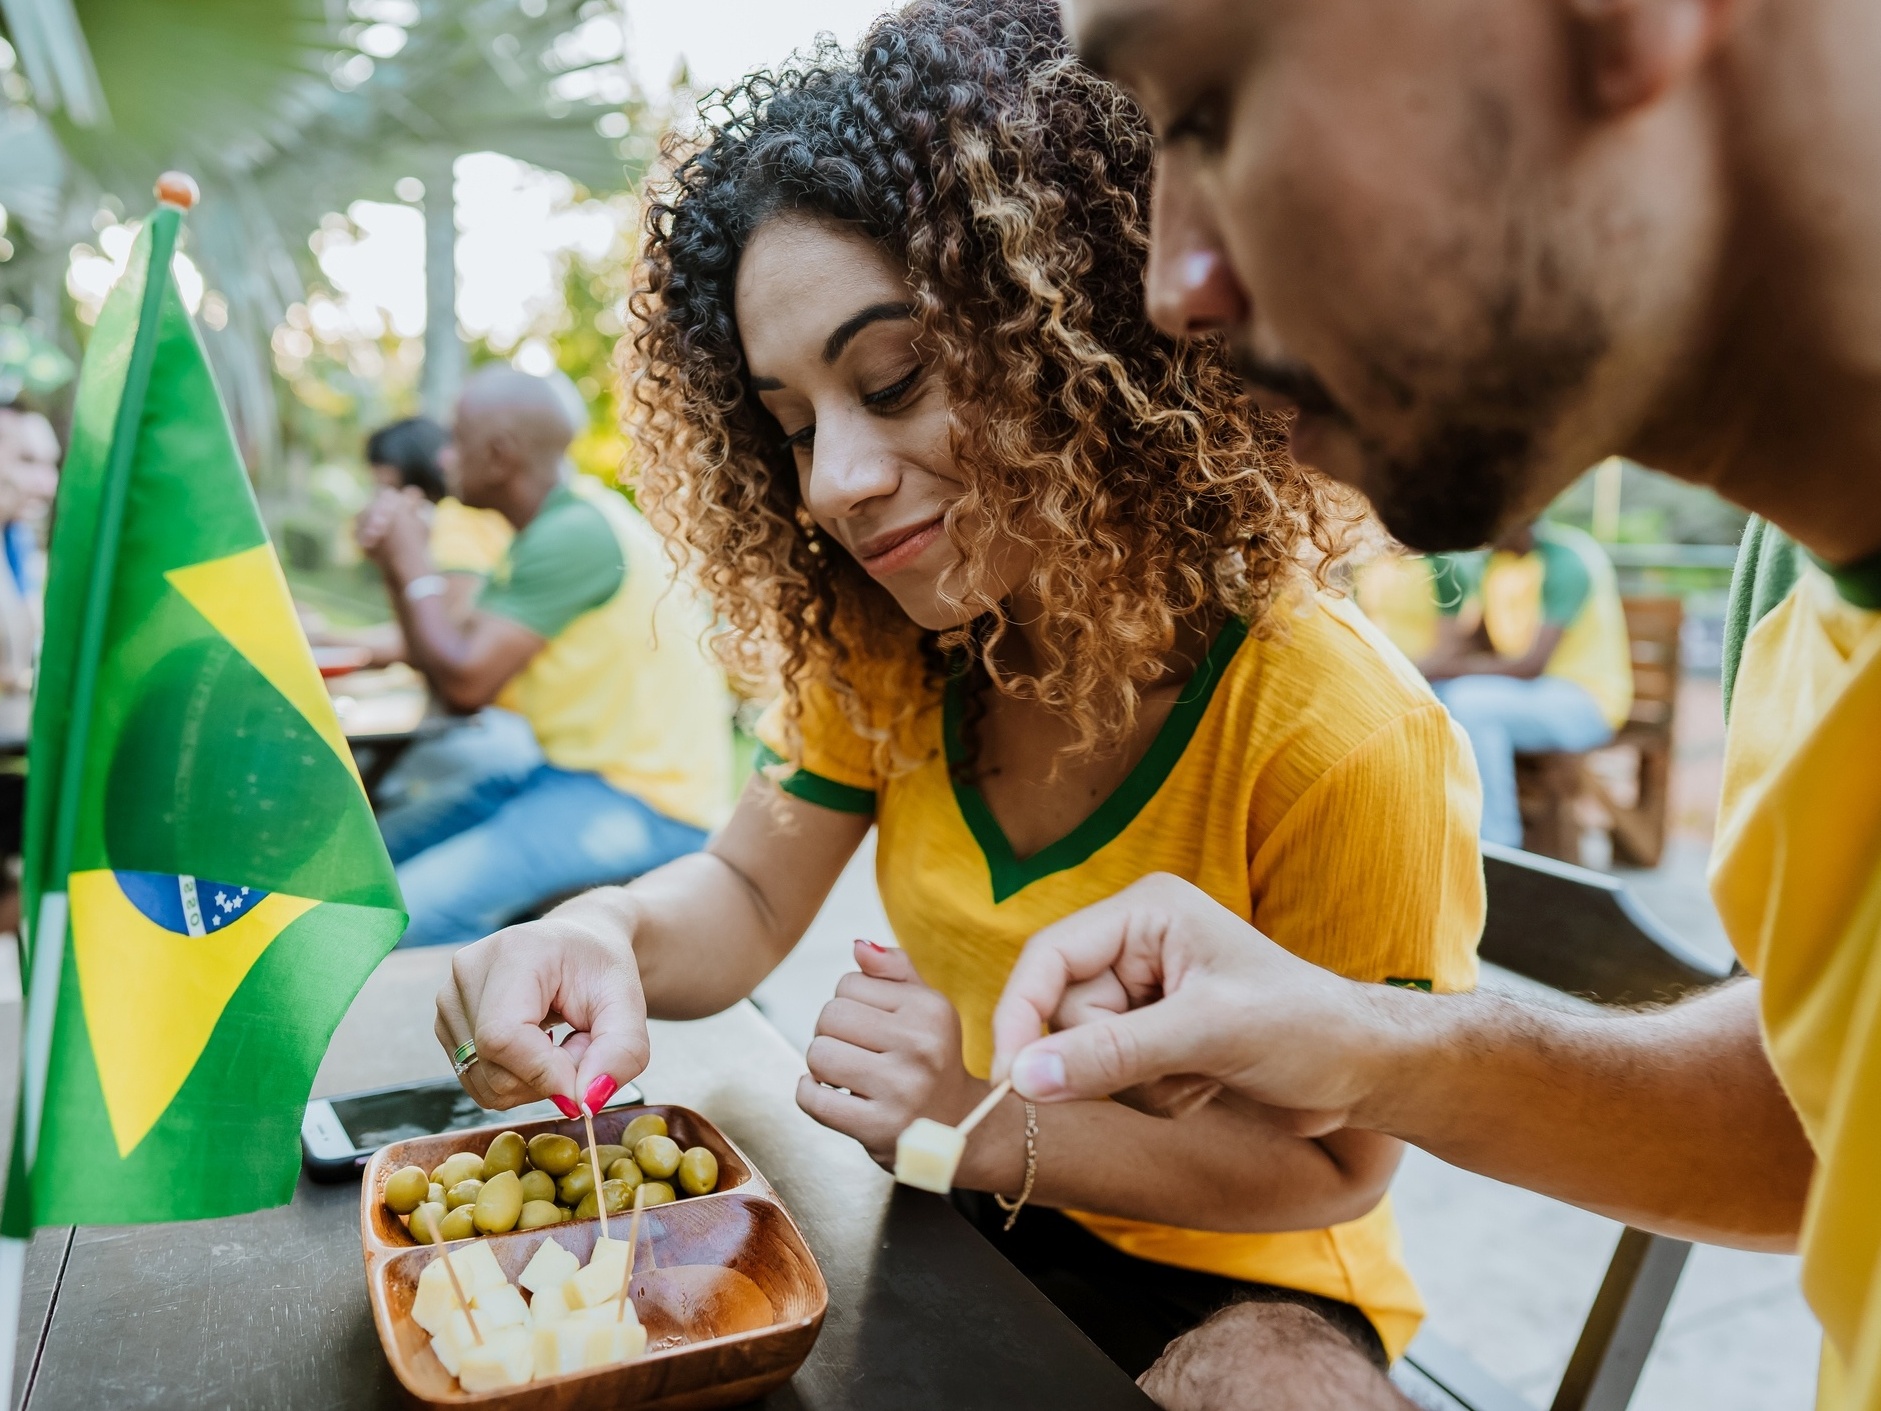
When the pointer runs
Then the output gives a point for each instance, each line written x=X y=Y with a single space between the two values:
x=205 y=886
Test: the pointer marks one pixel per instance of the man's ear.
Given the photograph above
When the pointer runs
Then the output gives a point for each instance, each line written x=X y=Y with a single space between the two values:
x=1634 y=51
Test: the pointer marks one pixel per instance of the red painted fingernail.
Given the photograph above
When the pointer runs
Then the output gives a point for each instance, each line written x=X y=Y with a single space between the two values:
x=882 y=950
x=565 y=1105
x=599 y=1091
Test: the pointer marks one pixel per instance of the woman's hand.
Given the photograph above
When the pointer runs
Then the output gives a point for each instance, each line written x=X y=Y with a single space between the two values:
x=576 y=966
x=895 y=1045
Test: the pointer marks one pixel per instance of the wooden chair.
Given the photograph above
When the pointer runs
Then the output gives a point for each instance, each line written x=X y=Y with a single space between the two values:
x=1555 y=789
x=1582 y=933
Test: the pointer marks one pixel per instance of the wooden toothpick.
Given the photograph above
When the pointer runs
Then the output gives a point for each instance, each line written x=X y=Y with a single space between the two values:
x=987 y=1104
x=594 y=1159
x=633 y=1244
x=437 y=1238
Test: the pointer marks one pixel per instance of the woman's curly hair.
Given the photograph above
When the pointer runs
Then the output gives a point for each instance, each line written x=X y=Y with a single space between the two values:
x=963 y=138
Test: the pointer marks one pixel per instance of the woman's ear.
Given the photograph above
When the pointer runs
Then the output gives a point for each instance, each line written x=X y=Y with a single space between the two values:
x=1632 y=52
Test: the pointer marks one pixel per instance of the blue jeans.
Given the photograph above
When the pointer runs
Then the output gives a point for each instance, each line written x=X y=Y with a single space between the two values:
x=1502 y=714
x=552 y=832
x=445 y=784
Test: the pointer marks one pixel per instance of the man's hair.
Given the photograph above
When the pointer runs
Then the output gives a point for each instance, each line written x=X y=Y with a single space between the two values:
x=411 y=448
x=963 y=138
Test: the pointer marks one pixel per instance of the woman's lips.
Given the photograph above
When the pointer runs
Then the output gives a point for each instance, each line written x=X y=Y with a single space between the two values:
x=897 y=553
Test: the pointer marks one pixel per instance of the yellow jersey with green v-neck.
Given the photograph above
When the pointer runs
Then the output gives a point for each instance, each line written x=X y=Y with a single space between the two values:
x=1305 y=779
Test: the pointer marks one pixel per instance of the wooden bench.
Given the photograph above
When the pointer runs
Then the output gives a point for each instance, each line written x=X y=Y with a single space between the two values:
x=1561 y=794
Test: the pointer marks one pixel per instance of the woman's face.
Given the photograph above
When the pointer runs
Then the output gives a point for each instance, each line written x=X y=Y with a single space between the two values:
x=827 y=322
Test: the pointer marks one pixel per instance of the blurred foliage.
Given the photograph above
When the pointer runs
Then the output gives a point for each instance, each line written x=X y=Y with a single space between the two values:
x=1655 y=509
x=283 y=113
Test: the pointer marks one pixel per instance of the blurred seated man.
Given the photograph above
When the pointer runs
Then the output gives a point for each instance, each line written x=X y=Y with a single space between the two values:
x=582 y=632
x=1531 y=654
x=29 y=479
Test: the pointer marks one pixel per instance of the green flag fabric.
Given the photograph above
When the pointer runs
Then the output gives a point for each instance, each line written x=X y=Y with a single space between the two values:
x=193 y=808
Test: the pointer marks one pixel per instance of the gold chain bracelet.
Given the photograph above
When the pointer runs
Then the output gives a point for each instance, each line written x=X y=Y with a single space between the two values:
x=1013 y=1207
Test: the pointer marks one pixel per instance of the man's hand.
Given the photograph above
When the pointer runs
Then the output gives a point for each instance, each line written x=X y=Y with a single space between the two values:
x=394 y=532
x=895 y=1045
x=576 y=966
x=1161 y=980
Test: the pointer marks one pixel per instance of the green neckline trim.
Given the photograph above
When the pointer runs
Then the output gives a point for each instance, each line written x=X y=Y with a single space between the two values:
x=813 y=788
x=1859 y=584
x=1010 y=873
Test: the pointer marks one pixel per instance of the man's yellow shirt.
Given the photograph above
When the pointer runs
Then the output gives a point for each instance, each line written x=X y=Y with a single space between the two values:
x=1796 y=874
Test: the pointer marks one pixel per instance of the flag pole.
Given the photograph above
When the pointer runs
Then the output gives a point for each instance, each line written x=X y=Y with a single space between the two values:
x=45 y=960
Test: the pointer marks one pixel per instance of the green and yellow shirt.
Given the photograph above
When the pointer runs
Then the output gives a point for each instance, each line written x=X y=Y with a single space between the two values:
x=626 y=687
x=1564 y=581
x=1307 y=780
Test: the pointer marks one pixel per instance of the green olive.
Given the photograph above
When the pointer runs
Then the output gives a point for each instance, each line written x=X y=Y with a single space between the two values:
x=698 y=1171
x=499 y=1203
x=538 y=1185
x=563 y=1211
x=461 y=1223
x=657 y=1156
x=607 y=1151
x=647 y=1124
x=576 y=1184
x=620 y=1198
x=425 y=1221
x=463 y=1193
x=657 y=1193
x=506 y=1153
x=625 y=1170
x=435 y=1195
x=537 y=1213
x=554 y=1153
x=405 y=1189
x=460 y=1166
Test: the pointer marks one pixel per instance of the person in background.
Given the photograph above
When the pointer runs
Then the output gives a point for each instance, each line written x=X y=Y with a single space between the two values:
x=1531 y=654
x=486 y=750
x=466 y=543
x=29 y=479
x=582 y=632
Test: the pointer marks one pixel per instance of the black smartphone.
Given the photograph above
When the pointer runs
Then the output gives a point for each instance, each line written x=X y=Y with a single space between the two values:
x=338 y=1134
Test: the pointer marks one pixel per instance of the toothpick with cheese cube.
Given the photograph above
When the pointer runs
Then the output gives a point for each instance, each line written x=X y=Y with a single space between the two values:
x=928 y=1152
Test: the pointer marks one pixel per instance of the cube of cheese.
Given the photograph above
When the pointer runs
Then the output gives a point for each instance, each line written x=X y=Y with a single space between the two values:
x=500 y=1307
x=434 y=1301
x=504 y=1358
x=927 y=1154
x=550 y=1305
x=587 y=1339
x=453 y=1336
x=548 y=1266
x=601 y=1280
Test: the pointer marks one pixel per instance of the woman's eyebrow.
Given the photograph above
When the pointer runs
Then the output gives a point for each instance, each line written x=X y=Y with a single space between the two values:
x=875 y=313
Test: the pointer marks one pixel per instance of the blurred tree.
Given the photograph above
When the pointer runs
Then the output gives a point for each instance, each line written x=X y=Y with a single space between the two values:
x=285 y=111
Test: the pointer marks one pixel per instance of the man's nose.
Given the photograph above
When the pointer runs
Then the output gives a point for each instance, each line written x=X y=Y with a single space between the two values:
x=1190 y=288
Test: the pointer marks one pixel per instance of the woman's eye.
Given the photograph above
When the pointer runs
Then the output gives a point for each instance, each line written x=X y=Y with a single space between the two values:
x=892 y=394
x=1204 y=123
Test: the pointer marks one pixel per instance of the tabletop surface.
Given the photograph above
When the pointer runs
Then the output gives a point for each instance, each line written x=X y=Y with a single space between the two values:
x=269 y=1309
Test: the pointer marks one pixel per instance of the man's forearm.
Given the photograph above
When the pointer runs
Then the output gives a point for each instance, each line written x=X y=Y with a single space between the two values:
x=1671 y=1120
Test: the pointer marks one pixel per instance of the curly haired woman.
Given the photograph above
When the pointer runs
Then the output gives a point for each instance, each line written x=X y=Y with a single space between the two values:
x=1041 y=600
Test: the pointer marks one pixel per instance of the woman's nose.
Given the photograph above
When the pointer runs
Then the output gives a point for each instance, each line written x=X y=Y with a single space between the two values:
x=848 y=469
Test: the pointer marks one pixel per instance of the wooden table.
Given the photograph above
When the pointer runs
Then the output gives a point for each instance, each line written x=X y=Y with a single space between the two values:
x=269 y=1310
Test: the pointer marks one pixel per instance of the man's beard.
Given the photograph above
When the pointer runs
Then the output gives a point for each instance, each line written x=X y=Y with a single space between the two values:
x=1475 y=470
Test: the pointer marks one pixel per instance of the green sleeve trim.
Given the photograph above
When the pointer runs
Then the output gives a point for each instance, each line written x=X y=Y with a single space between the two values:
x=801 y=783
x=1767 y=567
x=1425 y=985
x=565 y=562
x=1566 y=583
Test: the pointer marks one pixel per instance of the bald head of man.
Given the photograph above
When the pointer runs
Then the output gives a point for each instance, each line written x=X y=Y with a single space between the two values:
x=508 y=441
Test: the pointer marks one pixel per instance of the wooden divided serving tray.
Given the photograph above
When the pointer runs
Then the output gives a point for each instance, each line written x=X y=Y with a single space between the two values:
x=731 y=1297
